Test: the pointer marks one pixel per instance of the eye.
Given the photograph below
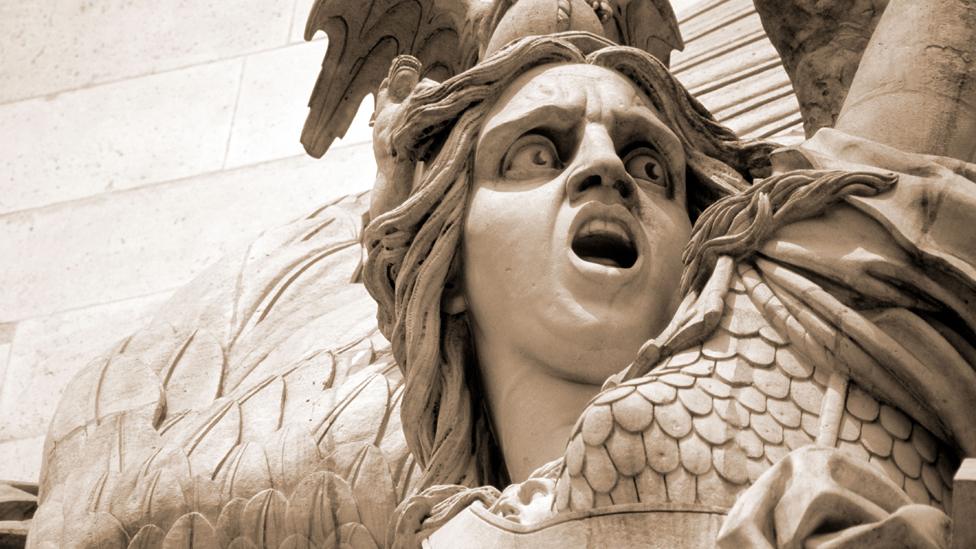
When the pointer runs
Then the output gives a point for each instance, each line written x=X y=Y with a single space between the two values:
x=530 y=156
x=646 y=165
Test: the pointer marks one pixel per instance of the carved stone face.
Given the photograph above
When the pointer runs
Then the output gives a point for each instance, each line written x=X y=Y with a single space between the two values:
x=576 y=221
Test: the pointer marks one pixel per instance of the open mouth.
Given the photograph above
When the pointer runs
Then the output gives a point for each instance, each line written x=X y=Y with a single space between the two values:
x=605 y=242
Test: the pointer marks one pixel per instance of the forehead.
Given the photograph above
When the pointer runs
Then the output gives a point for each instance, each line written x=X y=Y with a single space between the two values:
x=576 y=86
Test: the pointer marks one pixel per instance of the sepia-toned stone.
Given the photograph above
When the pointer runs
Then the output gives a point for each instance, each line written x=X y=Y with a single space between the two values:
x=626 y=451
x=767 y=428
x=677 y=379
x=681 y=486
x=793 y=365
x=701 y=367
x=907 y=458
x=752 y=399
x=575 y=452
x=861 y=405
x=674 y=419
x=695 y=400
x=930 y=477
x=734 y=370
x=731 y=463
x=720 y=347
x=895 y=422
x=925 y=443
x=651 y=486
x=599 y=470
x=771 y=382
x=597 y=424
x=850 y=428
x=810 y=424
x=750 y=443
x=686 y=357
x=391 y=359
x=662 y=450
x=784 y=411
x=613 y=395
x=695 y=454
x=732 y=412
x=633 y=413
x=756 y=350
x=876 y=439
x=712 y=428
x=715 y=387
x=657 y=393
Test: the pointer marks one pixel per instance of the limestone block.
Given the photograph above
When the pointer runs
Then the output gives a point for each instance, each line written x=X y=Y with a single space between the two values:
x=273 y=104
x=47 y=352
x=55 y=46
x=20 y=460
x=964 y=505
x=6 y=337
x=116 y=136
x=120 y=245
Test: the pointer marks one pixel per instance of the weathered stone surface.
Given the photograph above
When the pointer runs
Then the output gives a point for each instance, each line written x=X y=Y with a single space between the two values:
x=964 y=505
x=21 y=459
x=272 y=105
x=162 y=38
x=79 y=260
x=457 y=246
x=821 y=44
x=85 y=142
x=48 y=351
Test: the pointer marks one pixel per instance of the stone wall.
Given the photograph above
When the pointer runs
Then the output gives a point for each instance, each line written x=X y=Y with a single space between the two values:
x=140 y=141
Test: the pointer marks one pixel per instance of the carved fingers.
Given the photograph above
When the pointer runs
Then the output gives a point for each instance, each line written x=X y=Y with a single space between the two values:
x=823 y=497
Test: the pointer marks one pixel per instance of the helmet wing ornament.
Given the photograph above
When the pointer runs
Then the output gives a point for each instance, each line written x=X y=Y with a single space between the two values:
x=449 y=37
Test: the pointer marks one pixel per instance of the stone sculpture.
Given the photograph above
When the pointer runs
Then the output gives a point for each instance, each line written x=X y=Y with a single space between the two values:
x=663 y=334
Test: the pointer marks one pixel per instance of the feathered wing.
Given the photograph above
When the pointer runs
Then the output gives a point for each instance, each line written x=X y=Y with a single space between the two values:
x=447 y=36
x=365 y=37
x=649 y=25
x=821 y=44
x=260 y=409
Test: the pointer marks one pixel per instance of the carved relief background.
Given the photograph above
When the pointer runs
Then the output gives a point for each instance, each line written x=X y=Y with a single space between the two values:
x=134 y=159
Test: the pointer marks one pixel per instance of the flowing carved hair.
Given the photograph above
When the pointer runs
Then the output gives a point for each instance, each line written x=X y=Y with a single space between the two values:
x=413 y=248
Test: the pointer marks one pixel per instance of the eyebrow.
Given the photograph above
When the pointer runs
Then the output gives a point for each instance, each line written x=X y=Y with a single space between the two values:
x=538 y=115
x=649 y=127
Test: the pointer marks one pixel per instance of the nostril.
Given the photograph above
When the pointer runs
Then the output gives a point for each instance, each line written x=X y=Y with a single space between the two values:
x=590 y=182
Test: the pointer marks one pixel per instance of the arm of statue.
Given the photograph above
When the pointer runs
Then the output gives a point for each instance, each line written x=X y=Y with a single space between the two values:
x=823 y=497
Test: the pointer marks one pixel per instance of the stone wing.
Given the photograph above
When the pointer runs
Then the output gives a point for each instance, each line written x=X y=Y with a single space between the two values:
x=259 y=409
x=365 y=37
x=821 y=44
x=646 y=24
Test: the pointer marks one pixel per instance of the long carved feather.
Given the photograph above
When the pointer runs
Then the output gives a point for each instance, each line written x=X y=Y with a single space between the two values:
x=363 y=40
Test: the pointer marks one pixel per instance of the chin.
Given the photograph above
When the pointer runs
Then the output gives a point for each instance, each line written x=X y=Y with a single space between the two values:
x=597 y=347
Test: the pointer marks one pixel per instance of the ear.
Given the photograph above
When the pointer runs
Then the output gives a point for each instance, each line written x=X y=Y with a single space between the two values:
x=452 y=300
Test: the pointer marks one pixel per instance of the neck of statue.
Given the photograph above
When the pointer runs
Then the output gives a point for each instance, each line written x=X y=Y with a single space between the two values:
x=532 y=409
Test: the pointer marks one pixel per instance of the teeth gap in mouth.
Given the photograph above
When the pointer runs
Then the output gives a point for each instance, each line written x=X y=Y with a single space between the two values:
x=606 y=249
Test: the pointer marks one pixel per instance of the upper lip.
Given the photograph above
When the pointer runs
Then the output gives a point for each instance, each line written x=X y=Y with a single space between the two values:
x=612 y=225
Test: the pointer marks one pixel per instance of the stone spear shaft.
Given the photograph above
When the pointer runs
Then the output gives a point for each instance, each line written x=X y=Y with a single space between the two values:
x=915 y=88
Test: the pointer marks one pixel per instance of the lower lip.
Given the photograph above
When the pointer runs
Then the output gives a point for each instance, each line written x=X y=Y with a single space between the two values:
x=602 y=273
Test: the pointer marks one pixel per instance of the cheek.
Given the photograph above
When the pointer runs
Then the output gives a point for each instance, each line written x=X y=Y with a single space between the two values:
x=668 y=231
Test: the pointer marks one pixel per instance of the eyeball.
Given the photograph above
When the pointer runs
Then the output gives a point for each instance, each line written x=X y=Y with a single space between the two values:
x=530 y=156
x=645 y=164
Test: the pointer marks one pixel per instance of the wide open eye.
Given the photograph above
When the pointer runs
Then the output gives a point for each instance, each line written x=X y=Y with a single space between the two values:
x=530 y=156
x=645 y=164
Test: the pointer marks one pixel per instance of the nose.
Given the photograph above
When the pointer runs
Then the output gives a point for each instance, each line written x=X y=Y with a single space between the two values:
x=599 y=170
